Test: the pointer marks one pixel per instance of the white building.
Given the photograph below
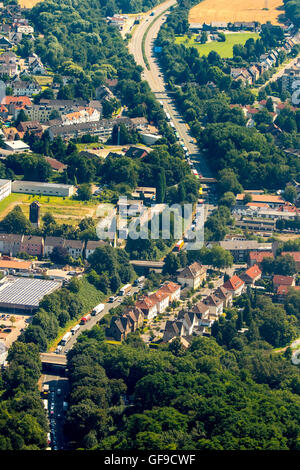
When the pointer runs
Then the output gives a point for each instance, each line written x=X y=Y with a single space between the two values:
x=47 y=189
x=5 y=188
x=16 y=146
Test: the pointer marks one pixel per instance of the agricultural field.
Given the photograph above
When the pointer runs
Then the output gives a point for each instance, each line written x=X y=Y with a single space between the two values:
x=43 y=80
x=64 y=210
x=28 y=3
x=236 y=10
x=224 y=49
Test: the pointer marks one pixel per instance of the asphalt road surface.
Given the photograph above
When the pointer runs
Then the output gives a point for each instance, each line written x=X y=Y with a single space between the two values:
x=92 y=322
x=59 y=389
x=156 y=81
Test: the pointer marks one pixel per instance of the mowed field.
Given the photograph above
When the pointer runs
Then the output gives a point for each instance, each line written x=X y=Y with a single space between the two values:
x=66 y=210
x=235 y=10
x=224 y=49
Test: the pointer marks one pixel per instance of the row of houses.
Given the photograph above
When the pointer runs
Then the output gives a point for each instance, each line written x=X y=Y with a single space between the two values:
x=14 y=244
x=146 y=308
x=249 y=75
x=203 y=314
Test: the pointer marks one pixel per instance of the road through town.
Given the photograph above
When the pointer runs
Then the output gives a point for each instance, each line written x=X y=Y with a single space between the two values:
x=156 y=82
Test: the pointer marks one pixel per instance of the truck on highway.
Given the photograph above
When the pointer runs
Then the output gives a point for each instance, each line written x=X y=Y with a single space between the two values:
x=75 y=329
x=125 y=289
x=98 y=309
x=45 y=405
x=66 y=338
x=85 y=319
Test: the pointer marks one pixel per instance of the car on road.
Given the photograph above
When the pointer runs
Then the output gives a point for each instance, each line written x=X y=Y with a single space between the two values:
x=58 y=391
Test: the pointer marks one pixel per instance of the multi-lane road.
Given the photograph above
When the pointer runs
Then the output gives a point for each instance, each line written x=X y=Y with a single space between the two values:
x=153 y=75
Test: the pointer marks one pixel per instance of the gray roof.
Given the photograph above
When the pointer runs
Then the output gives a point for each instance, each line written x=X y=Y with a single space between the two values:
x=26 y=292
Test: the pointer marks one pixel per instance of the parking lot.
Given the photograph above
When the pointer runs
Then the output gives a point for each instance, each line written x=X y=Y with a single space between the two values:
x=11 y=325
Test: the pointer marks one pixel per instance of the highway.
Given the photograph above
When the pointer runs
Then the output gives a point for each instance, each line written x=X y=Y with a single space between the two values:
x=92 y=322
x=156 y=82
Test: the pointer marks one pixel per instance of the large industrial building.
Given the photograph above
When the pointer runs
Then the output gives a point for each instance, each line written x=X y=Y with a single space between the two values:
x=24 y=294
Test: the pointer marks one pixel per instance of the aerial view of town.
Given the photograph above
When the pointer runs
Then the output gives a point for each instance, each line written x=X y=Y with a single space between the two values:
x=149 y=227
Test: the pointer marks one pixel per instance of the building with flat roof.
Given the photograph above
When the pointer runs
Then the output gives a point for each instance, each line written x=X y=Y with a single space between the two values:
x=19 y=293
x=16 y=146
x=47 y=189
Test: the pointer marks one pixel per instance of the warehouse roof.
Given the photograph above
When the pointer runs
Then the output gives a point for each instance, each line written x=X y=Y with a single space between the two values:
x=24 y=292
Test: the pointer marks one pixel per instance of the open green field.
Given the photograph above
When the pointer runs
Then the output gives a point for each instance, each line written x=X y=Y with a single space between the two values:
x=64 y=210
x=224 y=49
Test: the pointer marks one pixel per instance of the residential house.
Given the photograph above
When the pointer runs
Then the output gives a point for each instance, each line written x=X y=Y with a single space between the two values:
x=32 y=127
x=283 y=291
x=92 y=245
x=189 y=320
x=256 y=257
x=192 y=276
x=10 y=244
x=14 y=104
x=161 y=299
x=173 y=329
x=56 y=165
x=215 y=305
x=226 y=295
x=74 y=248
x=8 y=64
x=287 y=281
x=24 y=88
x=5 y=43
x=295 y=255
x=32 y=245
x=251 y=275
x=148 y=307
x=51 y=243
x=119 y=328
x=136 y=152
x=172 y=289
x=235 y=284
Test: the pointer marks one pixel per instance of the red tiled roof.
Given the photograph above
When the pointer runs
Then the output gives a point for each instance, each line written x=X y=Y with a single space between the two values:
x=258 y=256
x=253 y=272
x=19 y=101
x=170 y=287
x=293 y=254
x=283 y=280
x=283 y=290
x=233 y=283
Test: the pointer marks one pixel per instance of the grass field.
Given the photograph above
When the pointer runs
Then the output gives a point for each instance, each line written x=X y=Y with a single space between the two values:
x=235 y=10
x=225 y=49
x=63 y=210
